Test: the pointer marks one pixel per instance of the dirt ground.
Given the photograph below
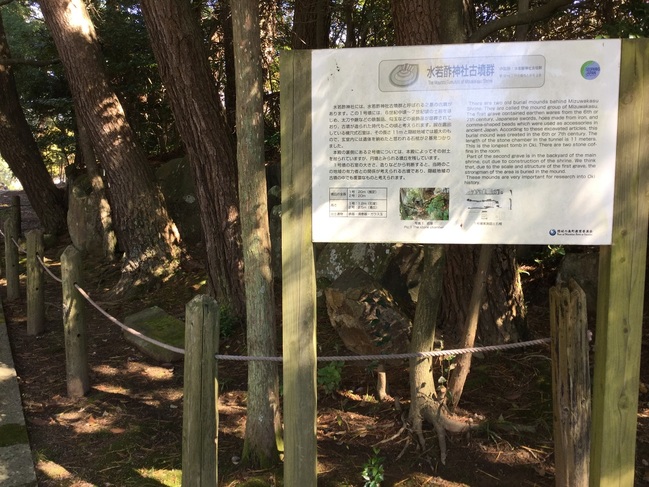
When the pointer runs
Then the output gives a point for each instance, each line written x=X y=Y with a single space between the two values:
x=127 y=431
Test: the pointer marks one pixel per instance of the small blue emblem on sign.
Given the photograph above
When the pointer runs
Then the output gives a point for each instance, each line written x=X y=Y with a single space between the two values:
x=590 y=70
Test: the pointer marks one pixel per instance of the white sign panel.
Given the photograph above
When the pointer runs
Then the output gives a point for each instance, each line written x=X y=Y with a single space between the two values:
x=478 y=143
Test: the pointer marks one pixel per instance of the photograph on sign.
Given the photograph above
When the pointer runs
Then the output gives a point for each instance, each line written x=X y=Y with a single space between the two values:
x=510 y=143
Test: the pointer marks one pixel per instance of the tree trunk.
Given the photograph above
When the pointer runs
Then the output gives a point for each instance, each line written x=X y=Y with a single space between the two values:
x=224 y=14
x=522 y=29
x=18 y=148
x=182 y=60
x=146 y=232
x=426 y=22
x=416 y=22
x=99 y=198
x=502 y=316
x=311 y=21
x=422 y=380
x=263 y=425
x=463 y=361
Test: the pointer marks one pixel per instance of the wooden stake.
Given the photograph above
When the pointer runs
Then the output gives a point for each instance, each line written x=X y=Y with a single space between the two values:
x=618 y=335
x=35 y=289
x=570 y=385
x=298 y=273
x=200 y=412
x=74 y=324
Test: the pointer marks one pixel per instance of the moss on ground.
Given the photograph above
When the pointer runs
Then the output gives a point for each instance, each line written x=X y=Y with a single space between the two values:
x=13 y=434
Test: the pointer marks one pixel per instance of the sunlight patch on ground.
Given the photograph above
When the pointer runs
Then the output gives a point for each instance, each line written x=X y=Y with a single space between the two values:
x=107 y=370
x=169 y=478
x=171 y=394
x=56 y=472
x=112 y=389
x=150 y=371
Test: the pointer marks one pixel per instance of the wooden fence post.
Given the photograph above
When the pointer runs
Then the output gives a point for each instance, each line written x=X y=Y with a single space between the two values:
x=620 y=296
x=35 y=290
x=298 y=274
x=11 y=261
x=200 y=415
x=570 y=385
x=74 y=324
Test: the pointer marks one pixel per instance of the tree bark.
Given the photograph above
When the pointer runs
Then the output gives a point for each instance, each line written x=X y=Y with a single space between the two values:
x=182 y=60
x=425 y=22
x=146 y=232
x=422 y=380
x=416 y=22
x=99 y=198
x=311 y=21
x=263 y=425
x=463 y=361
x=502 y=317
x=18 y=148
x=224 y=14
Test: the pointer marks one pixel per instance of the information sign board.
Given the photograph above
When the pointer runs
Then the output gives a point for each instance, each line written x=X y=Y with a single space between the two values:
x=509 y=143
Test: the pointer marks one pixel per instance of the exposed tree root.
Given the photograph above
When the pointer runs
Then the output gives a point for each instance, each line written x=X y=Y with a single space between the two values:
x=436 y=413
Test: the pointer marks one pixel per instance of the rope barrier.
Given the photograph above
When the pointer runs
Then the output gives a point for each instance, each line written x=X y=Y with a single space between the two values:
x=52 y=275
x=335 y=358
x=111 y=318
x=126 y=328
x=396 y=356
x=18 y=246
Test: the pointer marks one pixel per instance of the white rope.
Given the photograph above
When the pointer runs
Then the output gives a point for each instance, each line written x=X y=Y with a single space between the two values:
x=396 y=356
x=52 y=275
x=126 y=328
x=18 y=246
x=336 y=358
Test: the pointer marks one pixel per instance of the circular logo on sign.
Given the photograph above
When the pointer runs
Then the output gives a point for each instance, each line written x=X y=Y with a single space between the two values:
x=552 y=232
x=404 y=74
x=590 y=70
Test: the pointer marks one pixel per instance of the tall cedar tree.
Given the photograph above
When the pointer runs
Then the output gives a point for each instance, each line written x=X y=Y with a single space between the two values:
x=144 y=229
x=178 y=46
x=18 y=148
x=263 y=423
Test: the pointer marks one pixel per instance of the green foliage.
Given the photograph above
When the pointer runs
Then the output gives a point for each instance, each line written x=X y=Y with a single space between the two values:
x=550 y=255
x=373 y=470
x=632 y=21
x=329 y=376
x=43 y=91
x=438 y=207
x=227 y=322
x=424 y=203
x=133 y=71
x=364 y=23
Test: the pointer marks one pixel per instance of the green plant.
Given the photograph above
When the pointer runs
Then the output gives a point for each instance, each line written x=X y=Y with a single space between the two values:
x=227 y=322
x=329 y=376
x=551 y=255
x=437 y=208
x=373 y=470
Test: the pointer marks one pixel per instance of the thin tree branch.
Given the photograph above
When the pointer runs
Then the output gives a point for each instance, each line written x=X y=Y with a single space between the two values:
x=520 y=18
x=28 y=62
